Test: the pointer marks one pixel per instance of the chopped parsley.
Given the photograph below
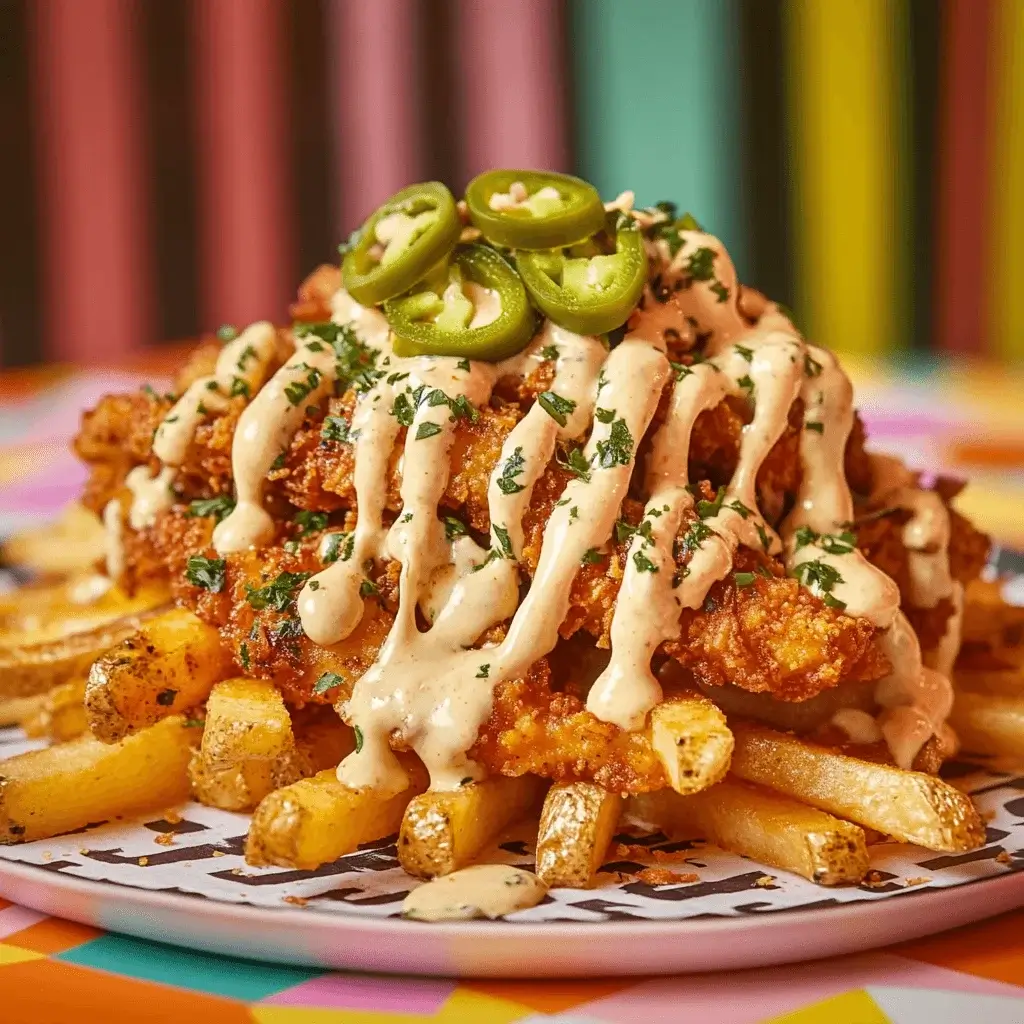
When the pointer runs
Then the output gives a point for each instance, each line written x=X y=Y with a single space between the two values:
x=743 y=579
x=604 y=415
x=368 y=589
x=287 y=629
x=427 y=429
x=820 y=578
x=453 y=527
x=747 y=384
x=215 y=508
x=617 y=448
x=739 y=508
x=279 y=594
x=335 y=546
x=643 y=563
x=680 y=370
x=354 y=362
x=514 y=465
x=709 y=509
x=576 y=463
x=817 y=427
x=720 y=290
x=591 y=557
x=359 y=737
x=766 y=541
x=484 y=671
x=239 y=386
x=278 y=463
x=309 y=522
x=549 y=352
x=327 y=681
x=504 y=540
x=243 y=655
x=298 y=390
x=623 y=530
x=463 y=364
x=701 y=264
x=226 y=333
x=403 y=410
x=557 y=407
x=747 y=353
x=335 y=428
x=248 y=354
x=207 y=573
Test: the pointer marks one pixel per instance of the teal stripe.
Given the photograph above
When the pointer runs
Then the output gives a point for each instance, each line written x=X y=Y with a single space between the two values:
x=657 y=88
x=186 y=968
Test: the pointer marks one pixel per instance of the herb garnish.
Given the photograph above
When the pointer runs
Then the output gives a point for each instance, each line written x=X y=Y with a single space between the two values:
x=514 y=465
x=557 y=407
x=309 y=522
x=207 y=573
x=279 y=594
x=427 y=429
x=216 y=508
x=617 y=448
x=327 y=681
x=335 y=546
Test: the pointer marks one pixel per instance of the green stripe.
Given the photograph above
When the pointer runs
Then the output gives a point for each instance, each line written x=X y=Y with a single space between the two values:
x=658 y=107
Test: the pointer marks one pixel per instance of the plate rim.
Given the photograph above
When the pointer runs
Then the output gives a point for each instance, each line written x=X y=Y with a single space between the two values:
x=209 y=907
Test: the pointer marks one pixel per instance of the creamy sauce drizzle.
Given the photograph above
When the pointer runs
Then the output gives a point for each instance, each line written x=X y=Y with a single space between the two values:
x=484 y=890
x=113 y=527
x=429 y=687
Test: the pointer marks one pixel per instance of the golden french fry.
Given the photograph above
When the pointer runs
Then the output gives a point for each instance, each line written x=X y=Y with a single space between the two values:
x=317 y=820
x=248 y=747
x=692 y=740
x=29 y=669
x=757 y=823
x=444 y=831
x=46 y=792
x=1007 y=682
x=576 y=825
x=63 y=711
x=910 y=806
x=17 y=710
x=168 y=666
x=990 y=724
x=73 y=542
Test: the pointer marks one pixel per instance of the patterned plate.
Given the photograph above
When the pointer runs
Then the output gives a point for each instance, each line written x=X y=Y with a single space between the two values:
x=185 y=882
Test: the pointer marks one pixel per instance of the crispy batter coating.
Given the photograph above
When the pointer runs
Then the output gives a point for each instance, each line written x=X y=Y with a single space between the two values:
x=769 y=637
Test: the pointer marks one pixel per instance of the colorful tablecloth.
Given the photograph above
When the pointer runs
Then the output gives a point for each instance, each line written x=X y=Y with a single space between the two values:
x=964 y=420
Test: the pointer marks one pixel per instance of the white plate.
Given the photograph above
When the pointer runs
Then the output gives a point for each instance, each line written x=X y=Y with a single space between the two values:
x=197 y=891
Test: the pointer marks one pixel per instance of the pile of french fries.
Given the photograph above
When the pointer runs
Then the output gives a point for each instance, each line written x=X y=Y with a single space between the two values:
x=144 y=710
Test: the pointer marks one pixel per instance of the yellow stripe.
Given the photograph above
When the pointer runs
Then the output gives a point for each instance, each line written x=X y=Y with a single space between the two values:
x=1006 y=298
x=840 y=57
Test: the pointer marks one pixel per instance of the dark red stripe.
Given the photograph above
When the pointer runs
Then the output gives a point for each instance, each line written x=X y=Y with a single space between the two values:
x=963 y=190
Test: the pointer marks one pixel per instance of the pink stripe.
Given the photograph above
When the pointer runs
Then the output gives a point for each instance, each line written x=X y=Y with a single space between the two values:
x=510 y=87
x=247 y=237
x=377 y=127
x=17 y=919
x=93 y=201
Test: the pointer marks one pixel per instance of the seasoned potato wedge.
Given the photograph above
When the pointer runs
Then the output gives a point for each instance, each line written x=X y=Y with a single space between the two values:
x=576 y=826
x=30 y=669
x=910 y=806
x=248 y=747
x=46 y=792
x=764 y=826
x=167 y=666
x=691 y=738
x=63 y=711
x=444 y=831
x=317 y=820
x=71 y=543
x=991 y=724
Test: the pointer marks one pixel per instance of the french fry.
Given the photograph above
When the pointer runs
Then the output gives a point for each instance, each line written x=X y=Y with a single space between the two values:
x=317 y=820
x=63 y=711
x=910 y=806
x=15 y=710
x=30 y=669
x=1007 y=682
x=693 y=742
x=46 y=792
x=73 y=542
x=248 y=747
x=51 y=612
x=990 y=724
x=756 y=823
x=168 y=666
x=444 y=831
x=576 y=825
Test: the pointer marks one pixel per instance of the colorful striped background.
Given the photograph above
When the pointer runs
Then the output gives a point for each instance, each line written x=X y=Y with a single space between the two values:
x=172 y=165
